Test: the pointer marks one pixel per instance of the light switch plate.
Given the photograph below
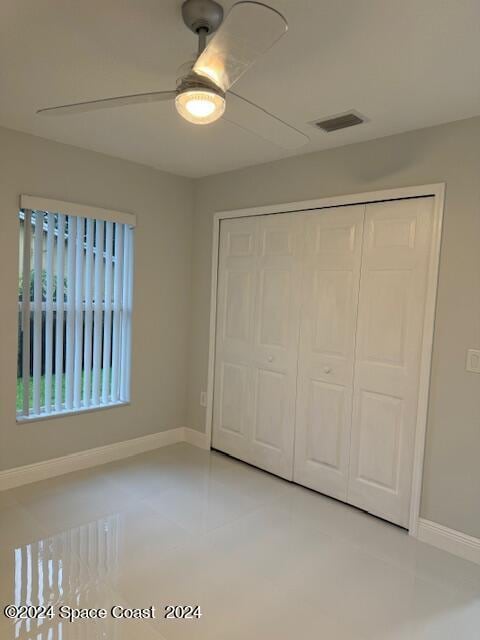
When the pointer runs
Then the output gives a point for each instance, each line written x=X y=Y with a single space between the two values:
x=473 y=360
x=203 y=398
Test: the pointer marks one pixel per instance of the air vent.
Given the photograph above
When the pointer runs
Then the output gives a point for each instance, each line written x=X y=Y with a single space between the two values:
x=339 y=122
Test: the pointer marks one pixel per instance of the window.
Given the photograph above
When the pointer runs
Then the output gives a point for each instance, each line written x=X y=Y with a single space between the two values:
x=74 y=308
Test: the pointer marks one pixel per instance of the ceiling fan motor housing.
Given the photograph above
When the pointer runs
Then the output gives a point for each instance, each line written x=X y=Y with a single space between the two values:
x=195 y=82
x=202 y=14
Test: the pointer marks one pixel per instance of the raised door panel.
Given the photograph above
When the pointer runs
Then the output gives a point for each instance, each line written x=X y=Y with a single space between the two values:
x=326 y=410
x=232 y=398
x=238 y=296
x=379 y=427
x=333 y=293
x=390 y=327
x=274 y=292
x=386 y=293
x=240 y=243
x=270 y=391
x=330 y=283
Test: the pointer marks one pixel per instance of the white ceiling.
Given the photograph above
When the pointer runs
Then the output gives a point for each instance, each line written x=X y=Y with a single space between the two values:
x=405 y=64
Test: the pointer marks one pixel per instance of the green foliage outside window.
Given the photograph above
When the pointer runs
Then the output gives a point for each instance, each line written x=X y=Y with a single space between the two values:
x=44 y=286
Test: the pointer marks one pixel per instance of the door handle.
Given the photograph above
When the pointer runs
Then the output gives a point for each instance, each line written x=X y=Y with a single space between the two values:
x=270 y=358
x=327 y=369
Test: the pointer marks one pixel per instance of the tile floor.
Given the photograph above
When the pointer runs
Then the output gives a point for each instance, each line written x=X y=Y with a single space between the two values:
x=262 y=557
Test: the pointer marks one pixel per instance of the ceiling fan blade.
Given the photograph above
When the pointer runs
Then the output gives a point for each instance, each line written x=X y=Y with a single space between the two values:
x=249 y=116
x=248 y=31
x=107 y=103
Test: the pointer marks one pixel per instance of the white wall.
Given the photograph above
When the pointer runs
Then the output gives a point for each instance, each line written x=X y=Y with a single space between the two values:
x=448 y=153
x=163 y=204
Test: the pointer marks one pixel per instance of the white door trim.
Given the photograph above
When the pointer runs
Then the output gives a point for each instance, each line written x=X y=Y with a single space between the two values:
x=435 y=190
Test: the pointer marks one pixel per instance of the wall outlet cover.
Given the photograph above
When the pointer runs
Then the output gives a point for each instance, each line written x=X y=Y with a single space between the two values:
x=473 y=360
x=203 y=398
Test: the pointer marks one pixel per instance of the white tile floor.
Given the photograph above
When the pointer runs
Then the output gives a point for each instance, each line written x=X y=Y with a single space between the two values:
x=262 y=557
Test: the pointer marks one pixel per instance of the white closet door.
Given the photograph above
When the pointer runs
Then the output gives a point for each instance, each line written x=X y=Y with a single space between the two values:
x=235 y=318
x=275 y=352
x=327 y=347
x=257 y=336
x=390 y=325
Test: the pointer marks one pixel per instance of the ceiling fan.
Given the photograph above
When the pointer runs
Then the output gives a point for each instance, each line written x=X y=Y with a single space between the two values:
x=247 y=32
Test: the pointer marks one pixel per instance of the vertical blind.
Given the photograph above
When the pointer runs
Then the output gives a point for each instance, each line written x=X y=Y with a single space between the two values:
x=75 y=308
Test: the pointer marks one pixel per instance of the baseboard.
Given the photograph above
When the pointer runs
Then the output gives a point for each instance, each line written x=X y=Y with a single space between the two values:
x=92 y=457
x=460 y=544
x=197 y=438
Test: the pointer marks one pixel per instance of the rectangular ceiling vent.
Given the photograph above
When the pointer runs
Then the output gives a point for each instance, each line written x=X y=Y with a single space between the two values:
x=339 y=122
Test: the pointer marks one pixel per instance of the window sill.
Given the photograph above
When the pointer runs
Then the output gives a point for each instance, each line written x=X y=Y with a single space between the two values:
x=73 y=412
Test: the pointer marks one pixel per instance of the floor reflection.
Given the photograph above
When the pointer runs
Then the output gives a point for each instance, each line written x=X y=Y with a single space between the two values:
x=67 y=568
x=262 y=557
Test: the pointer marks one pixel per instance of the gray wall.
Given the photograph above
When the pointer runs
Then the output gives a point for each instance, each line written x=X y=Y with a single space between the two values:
x=172 y=287
x=448 y=153
x=162 y=293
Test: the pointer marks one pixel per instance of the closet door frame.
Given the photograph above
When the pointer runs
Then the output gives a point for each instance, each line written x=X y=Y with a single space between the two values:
x=437 y=191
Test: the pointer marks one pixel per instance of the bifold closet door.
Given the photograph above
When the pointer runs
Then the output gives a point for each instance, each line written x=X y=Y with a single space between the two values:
x=338 y=296
x=258 y=309
x=330 y=289
x=393 y=285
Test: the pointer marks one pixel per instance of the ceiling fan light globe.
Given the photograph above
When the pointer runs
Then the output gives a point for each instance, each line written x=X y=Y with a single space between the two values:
x=200 y=106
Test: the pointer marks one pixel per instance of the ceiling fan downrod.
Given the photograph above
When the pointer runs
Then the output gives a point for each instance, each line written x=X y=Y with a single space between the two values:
x=203 y=17
x=202 y=40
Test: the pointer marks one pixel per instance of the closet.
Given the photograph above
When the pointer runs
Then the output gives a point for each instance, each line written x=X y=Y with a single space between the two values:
x=319 y=331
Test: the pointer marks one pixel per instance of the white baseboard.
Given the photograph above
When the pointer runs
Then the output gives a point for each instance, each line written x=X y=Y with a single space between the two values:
x=197 y=438
x=92 y=457
x=460 y=544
